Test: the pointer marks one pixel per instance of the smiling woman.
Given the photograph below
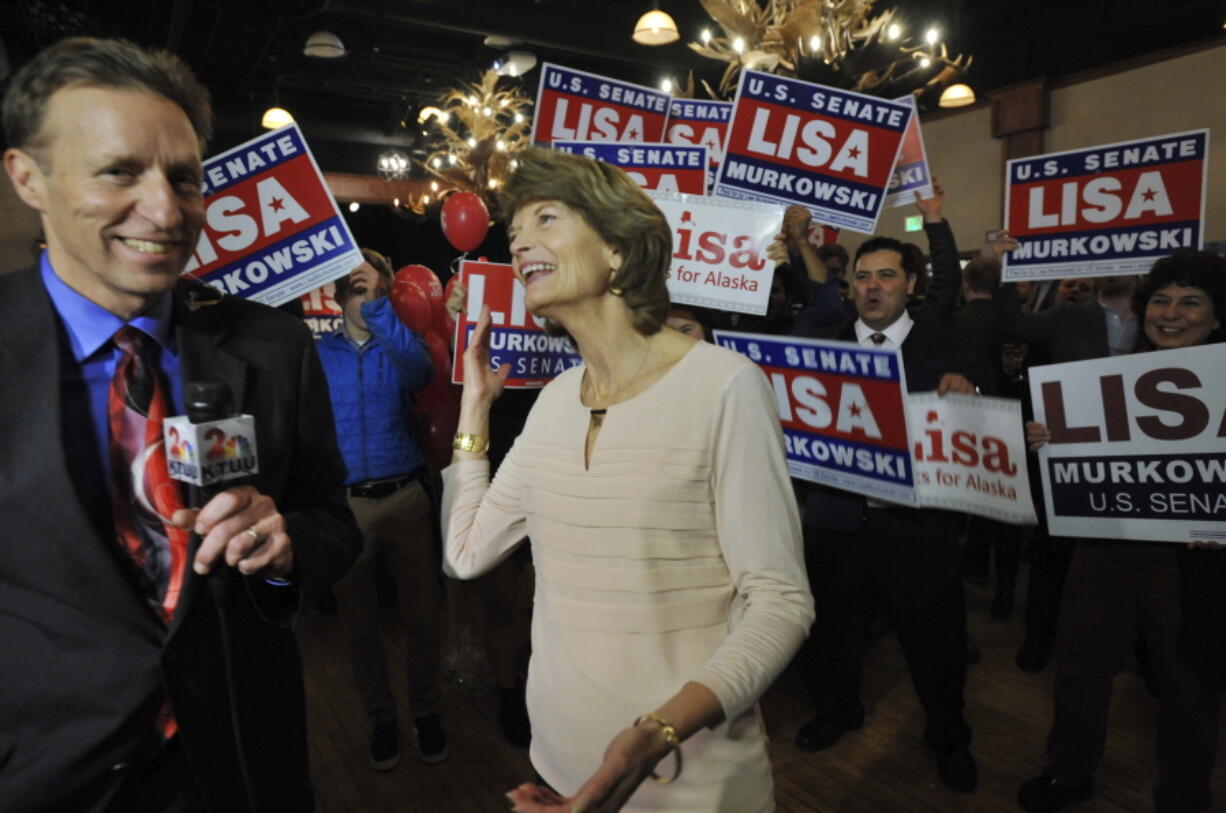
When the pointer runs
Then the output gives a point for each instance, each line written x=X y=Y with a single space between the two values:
x=671 y=588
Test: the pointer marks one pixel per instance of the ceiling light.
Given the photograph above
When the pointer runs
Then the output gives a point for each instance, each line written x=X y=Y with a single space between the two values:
x=519 y=118
x=815 y=43
x=353 y=207
x=392 y=165
x=485 y=111
x=931 y=36
x=893 y=32
x=667 y=86
x=324 y=45
x=738 y=45
x=925 y=62
x=958 y=95
x=656 y=28
x=433 y=186
x=472 y=143
x=516 y=63
x=705 y=36
x=275 y=117
x=436 y=162
x=450 y=159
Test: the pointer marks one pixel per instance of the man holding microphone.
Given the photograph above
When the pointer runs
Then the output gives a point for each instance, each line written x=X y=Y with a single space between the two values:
x=148 y=662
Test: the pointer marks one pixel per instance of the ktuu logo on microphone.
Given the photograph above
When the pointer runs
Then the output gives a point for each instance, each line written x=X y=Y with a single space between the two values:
x=211 y=452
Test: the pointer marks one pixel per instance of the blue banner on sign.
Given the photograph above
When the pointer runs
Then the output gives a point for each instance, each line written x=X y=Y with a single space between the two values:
x=253 y=158
x=253 y=274
x=531 y=353
x=1145 y=153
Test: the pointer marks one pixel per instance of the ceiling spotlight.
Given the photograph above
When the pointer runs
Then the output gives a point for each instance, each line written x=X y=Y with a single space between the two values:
x=655 y=28
x=275 y=117
x=515 y=63
x=958 y=95
x=353 y=207
x=324 y=45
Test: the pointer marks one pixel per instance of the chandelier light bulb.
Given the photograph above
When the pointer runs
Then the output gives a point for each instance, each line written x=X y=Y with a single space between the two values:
x=472 y=143
x=493 y=183
x=472 y=101
x=433 y=186
x=500 y=145
x=451 y=159
x=705 y=36
x=436 y=163
x=738 y=45
x=485 y=111
x=893 y=32
x=425 y=200
x=932 y=35
x=396 y=202
x=519 y=118
x=925 y=62
x=815 y=43
x=353 y=207
x=667 y=86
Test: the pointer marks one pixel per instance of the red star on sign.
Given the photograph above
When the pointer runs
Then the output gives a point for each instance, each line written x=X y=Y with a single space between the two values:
x=1148 y=194
x=711 y=144
x=855 y=409
x=277 y=204
x=633 y=134
x=854 y=152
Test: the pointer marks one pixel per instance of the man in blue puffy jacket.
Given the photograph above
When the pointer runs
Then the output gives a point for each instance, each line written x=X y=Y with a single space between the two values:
x=375 y=365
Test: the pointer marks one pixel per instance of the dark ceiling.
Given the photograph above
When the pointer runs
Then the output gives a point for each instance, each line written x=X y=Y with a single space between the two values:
x=403 y=53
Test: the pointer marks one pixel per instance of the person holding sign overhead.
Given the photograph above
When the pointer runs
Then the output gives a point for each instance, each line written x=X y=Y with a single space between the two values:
x=651 y=480
x=910 y=556
x=1117 y=589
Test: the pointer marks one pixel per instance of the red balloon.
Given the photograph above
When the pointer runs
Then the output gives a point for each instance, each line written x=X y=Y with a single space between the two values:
x=411 y=304
x=465 y=220
x=438 y=405
x=449 y=318
x=427 y=280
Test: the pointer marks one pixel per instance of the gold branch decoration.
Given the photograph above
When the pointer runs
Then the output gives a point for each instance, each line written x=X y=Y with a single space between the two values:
x=481 y=127
x=834 y=42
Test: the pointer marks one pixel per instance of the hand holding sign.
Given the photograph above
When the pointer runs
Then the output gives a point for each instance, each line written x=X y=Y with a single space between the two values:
x=931 y=207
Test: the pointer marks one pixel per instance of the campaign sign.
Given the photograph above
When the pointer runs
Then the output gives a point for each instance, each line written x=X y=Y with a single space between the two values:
x=573 y=105
x=662 y=167
x=320 y=311
x=832 y=151
x=701 y=123
x=1106 y=210
x=843 y=411
x=911 y=169
x=719 y=251
x=1138 y=445
x=212 y=452
x=516 y=336
x=272 y=231
x=970 y=455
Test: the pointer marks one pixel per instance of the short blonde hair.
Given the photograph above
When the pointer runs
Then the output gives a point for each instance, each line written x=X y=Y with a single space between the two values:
x=616 y=209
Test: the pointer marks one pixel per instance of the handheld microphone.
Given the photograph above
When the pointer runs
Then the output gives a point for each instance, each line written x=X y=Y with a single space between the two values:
x=210 y=445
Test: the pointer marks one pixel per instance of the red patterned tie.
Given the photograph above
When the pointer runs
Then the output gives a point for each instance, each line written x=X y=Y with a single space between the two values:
x=142 y=493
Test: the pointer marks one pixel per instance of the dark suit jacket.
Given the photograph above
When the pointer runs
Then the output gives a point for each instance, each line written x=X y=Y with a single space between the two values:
x=85 y=663
x=1066 y=332
x=929 y=351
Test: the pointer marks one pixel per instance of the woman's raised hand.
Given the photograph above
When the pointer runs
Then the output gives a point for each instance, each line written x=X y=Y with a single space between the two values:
x=482 y=385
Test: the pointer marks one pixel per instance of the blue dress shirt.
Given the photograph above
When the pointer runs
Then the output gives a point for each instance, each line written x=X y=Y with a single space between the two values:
x=89 y=328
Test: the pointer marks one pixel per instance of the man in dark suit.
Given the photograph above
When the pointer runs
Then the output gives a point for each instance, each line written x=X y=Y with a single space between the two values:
x=143 y=668
x=909 y=557
x=1069 y=331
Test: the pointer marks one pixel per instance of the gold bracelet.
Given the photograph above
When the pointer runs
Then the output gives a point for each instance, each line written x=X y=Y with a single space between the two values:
x=674 y=744
x=465 y=442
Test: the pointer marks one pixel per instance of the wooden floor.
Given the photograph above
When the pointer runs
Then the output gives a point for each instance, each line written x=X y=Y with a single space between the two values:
x=879 y=768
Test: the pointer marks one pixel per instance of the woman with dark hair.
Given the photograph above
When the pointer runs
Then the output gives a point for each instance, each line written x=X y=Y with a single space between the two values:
x=651 y=481
x=1117 y=588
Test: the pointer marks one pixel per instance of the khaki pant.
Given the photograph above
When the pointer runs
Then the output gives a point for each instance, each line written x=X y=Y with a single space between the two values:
x=397 y=534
